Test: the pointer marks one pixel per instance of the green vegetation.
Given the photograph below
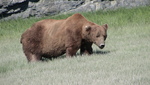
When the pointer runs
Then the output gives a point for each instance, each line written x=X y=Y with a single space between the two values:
x=124 y=61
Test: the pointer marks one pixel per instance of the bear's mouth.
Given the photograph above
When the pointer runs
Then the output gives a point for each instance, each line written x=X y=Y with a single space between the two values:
x=101 y=46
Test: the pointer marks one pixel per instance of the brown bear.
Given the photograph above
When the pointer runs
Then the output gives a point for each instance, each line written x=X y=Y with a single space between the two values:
x=51 y=38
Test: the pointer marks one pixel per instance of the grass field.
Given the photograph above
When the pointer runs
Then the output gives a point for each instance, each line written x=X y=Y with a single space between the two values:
x=124 y=61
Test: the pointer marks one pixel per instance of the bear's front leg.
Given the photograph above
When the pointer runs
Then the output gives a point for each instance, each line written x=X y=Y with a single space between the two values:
x=86 y=48
x=71 y=51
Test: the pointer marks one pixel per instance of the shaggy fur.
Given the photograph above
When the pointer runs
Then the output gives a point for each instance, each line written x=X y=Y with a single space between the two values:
x=51 y=38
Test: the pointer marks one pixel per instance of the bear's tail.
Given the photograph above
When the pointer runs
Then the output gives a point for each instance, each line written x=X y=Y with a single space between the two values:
x=21 y=40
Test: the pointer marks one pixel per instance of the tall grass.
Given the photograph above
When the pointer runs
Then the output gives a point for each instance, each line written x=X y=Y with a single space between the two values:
x=124 y=61
x=115 y=18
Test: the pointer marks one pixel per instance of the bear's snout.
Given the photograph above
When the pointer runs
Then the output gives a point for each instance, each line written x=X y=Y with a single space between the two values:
x=101 y=46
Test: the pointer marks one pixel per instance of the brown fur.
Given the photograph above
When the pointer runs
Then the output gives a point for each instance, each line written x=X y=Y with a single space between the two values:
x=52 y=38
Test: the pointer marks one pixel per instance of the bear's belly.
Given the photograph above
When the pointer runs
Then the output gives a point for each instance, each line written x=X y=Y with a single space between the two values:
x=53 y=44
x=53 y=53
x=53 y=50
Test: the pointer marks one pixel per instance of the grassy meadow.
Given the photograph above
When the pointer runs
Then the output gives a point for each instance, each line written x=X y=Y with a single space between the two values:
x=124 y=61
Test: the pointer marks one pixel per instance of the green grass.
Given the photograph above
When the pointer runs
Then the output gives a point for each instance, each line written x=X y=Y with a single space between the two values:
x=124 y=61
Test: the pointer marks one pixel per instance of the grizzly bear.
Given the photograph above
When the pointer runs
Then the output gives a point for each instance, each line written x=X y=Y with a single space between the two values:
x=51 y=38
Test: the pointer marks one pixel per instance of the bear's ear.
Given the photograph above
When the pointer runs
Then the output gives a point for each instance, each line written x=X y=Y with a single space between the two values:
x=88 y=28
x=105 y=26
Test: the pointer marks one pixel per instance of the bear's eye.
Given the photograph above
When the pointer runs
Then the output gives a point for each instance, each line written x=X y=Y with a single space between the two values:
x=105 y=37
x=98 y=35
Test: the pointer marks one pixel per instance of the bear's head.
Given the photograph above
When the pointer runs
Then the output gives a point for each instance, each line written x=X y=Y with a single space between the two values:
x=96 y=34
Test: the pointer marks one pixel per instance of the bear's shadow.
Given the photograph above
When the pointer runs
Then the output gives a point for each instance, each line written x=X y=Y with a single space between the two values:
x=101 y=52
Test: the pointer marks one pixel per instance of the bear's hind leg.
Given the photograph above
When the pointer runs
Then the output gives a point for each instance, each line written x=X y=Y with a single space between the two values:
x=33 y=57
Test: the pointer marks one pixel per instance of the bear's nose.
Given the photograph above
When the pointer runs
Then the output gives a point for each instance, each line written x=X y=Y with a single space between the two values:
x=102 y=46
